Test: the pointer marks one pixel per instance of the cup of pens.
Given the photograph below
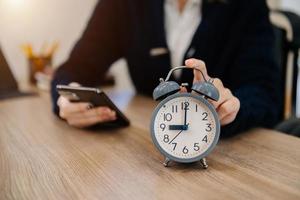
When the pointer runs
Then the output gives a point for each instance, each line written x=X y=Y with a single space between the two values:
x=40 y=64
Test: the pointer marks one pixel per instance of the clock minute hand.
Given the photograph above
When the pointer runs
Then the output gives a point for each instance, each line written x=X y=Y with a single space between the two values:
x=185 y=113
x=175 y=137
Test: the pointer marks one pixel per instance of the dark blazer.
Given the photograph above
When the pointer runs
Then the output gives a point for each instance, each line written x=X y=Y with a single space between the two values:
x=235 y=39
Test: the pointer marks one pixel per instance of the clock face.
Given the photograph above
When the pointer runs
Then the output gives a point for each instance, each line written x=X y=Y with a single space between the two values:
x=185 y=127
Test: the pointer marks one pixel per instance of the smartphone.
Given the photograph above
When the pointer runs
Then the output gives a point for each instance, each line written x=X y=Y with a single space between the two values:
x=97 y=98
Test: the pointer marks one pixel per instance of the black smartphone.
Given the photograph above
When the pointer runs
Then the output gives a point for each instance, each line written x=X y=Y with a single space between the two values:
x=96 y=97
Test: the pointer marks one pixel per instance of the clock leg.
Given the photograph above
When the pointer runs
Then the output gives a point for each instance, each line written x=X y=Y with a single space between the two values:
x=166 y=162
x=203 y=163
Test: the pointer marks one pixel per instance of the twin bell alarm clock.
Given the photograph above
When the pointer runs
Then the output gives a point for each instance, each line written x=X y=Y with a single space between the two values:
x=185 y=126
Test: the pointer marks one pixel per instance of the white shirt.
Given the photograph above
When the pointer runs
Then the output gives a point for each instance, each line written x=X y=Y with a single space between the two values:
x=180 y=28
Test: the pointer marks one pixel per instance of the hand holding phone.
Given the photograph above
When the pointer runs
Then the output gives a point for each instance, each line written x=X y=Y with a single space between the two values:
x=83 y=107
x=83 y=115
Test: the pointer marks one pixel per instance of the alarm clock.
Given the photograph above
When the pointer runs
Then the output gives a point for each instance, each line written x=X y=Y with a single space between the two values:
x=185 y=127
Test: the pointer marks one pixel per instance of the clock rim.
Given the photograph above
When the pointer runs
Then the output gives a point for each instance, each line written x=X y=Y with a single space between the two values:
x=187 y=160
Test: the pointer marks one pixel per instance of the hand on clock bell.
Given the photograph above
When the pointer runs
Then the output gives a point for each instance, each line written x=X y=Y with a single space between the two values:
x=228 y=105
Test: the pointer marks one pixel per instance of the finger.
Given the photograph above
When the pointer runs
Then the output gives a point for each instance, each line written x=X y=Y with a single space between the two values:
x=229 y=107
x=200 y=65
x=85 y=122
x=73 y=108
x=228 y=119
x=68 y=108
x=183 y=89
x=217 y=83
x=62 y=100
x=81 y=122
x=74 y=84
x=95 y=112
x=225 y=94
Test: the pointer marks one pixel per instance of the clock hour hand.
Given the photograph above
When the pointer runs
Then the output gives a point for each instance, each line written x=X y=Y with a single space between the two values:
x=178 y=127
x=177 y=134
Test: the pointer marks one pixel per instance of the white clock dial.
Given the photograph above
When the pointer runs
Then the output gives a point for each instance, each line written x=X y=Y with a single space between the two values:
x=185 y=127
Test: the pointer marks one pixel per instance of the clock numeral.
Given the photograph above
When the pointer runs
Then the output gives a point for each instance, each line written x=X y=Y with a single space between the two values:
x=196 y=107
x=174 y=108
x=185 y=150
x=175 y=144
x=166 y=138
x=185 y=105
x=196 y=146
x=167 y=117
x=208 y=128
x=205 y=139
x=205 y=115
x=162 y=126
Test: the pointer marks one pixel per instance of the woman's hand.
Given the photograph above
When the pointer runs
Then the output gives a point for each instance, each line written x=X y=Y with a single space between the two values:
x=82 y=115
x=228 y=105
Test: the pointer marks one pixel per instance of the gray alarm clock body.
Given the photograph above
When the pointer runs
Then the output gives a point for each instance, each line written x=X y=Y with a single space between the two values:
x=185 y=127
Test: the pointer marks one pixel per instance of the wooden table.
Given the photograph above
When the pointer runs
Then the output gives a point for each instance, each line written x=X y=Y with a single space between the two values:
x=41 y=157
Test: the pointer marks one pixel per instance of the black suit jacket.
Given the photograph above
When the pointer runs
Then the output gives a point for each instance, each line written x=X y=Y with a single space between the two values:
x=235 y=39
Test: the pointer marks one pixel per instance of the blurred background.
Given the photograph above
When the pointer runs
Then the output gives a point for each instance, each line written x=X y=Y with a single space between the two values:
x=41 y=22
x=46 y=21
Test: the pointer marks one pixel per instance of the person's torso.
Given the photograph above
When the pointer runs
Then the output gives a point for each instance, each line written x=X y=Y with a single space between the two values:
x=148 y=55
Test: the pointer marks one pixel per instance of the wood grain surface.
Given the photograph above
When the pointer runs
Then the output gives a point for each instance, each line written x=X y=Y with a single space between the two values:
x=41 y=157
